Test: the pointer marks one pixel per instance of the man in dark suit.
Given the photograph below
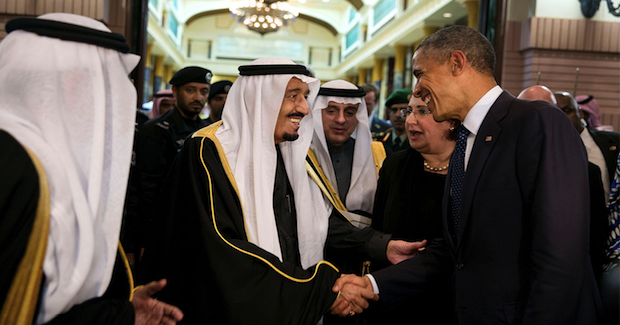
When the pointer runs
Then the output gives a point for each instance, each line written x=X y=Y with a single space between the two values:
x=516 y=228
x=601 y=146
x=378 y=127
x=598 y=211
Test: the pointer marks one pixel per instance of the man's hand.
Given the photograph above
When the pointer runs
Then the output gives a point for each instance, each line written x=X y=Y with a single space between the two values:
x=400 y=250
x=151 y=311
x=354 y=293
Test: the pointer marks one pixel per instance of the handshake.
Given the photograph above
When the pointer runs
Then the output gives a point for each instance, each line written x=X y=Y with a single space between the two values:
x=355 y=291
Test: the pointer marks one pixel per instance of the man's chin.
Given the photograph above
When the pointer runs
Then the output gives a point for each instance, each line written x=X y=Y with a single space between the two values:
x=290 y=136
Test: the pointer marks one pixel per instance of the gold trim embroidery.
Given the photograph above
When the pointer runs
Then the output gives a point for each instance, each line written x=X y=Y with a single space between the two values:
x=21 y=301
x=220 y=151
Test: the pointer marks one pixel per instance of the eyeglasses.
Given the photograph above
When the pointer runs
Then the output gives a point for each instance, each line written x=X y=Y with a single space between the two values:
x=418 y=113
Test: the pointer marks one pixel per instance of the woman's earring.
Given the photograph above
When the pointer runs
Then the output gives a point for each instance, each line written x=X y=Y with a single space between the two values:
x=452 y=128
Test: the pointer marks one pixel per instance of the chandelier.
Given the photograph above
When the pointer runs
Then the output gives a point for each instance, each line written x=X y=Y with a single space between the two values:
x=263 y=16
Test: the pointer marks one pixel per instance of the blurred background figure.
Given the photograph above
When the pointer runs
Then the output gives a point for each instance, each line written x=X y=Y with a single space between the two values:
x=217 y=99
x=378 y=127
x=591 y=112
x=163 y=101
x=538 y=93
x=396 y=137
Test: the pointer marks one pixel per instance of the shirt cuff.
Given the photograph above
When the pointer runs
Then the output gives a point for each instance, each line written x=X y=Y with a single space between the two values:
x=375 y=287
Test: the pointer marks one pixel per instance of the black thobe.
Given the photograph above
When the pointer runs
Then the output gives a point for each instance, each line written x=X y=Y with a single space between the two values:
x=215 y=275
x=342 y=161
x=19 y=199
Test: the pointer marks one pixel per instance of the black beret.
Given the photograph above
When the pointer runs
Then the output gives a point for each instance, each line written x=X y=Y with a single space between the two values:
x=220 y=87
x=191 y=74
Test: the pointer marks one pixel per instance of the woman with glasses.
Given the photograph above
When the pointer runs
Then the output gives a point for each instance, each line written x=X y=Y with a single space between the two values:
x=408 y=205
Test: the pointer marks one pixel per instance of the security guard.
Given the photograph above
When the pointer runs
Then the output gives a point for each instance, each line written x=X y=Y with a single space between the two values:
x=156 y=146
x=396 y=137
x=217 y=99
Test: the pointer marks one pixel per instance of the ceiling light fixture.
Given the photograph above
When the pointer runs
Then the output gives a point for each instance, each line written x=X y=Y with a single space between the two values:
x=447 y=15
x=263 y=16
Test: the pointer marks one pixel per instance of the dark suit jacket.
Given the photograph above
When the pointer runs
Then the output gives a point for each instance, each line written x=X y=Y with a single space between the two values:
x=521 y=254
x=608 y=142
x=599 y=227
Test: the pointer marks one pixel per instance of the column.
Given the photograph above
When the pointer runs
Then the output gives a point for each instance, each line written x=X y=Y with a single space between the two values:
x=377 y=72
x=377 y=76
x=472 y=14
x=159 y=73
x=361 y=76
x=167 y=75
x=408 y=58
x=147 y=74
x=399 y=66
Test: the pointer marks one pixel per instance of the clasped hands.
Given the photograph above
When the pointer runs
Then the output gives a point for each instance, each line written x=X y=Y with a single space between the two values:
x=355 y=291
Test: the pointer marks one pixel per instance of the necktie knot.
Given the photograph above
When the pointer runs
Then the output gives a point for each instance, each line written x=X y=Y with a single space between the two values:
x=462 y=134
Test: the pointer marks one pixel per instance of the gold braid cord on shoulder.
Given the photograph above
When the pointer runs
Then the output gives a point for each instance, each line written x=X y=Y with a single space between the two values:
x=322 y=181
x=209 y=132
x=21 y=301
x=378 y=153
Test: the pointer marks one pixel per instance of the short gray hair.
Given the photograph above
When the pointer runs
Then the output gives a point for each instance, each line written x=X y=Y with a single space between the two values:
x=478 y=51
x=370 y=87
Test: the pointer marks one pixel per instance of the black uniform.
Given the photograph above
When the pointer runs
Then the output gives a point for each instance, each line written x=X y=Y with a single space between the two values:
x=157 y=144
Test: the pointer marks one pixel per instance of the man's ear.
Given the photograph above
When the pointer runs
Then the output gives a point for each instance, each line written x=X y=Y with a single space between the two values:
x=458 y=61
x=175 y=91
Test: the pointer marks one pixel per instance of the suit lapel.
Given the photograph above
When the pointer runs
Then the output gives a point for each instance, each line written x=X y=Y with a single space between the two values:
x=486 y=138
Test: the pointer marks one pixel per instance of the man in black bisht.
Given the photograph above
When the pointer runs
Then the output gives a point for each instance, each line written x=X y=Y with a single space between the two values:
x=156 y=146
x=246 y=233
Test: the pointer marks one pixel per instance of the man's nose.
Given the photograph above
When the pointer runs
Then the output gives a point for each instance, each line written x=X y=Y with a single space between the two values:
x=411 y=119
x=302 y=107
x=417 y=91
x=340 y=117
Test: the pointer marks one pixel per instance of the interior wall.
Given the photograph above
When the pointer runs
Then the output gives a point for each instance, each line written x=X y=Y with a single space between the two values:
x=112 y=12
x=556 y=48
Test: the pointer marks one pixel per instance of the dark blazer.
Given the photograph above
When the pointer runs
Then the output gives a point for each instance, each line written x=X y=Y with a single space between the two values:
x=608 y=142
x=521 y=254
x=599 y=226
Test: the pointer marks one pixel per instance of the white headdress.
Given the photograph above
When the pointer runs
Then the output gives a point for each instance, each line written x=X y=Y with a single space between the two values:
x=361 y=193
x=73 y=105
x=247 y=137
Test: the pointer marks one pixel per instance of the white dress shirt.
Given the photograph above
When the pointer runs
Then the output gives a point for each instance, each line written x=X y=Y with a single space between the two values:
x=476 y=115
